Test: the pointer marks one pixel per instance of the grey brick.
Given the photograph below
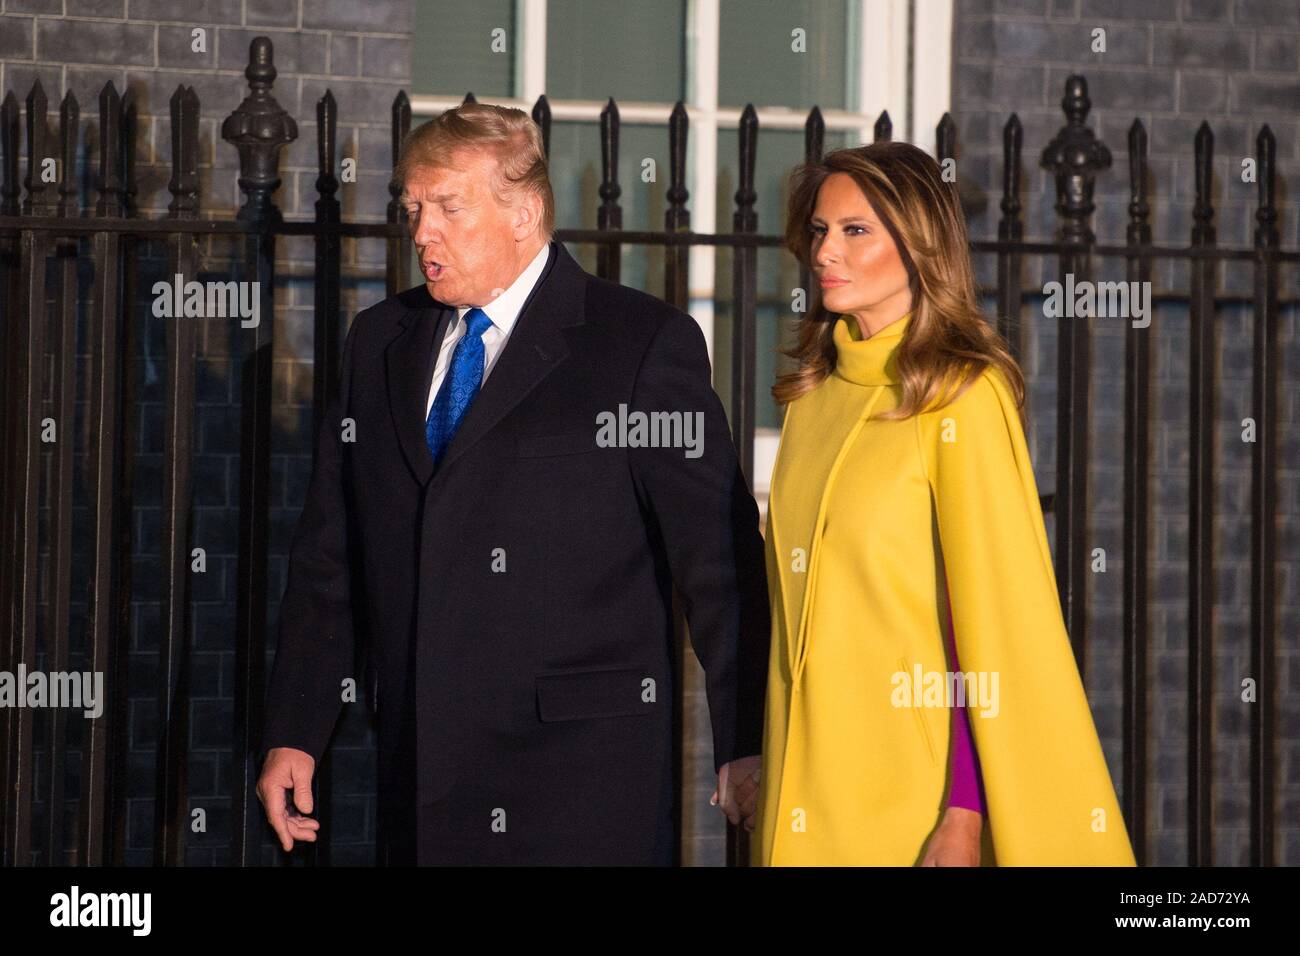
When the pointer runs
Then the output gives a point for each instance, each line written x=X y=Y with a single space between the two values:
x=214 y=623
x=1126 y=44
x=978 y=128
x=210 y=471
x=49 y=7
x=352 y=824
x=975 y=38
x=208 y=585
x=210 y=728
x=1030 y=40
x=1031 y=7
x=1277 y=51
x=386 y=58
x=345 y=56
x=219 y=434
x=213 y=387
x=1201 y=46
x=1228 y=810
x=1206 y=92
x=17 y=38
x=90 y=41
x=113 y=9
x=373 y=16
x=1220 y=10
x=352 y=765
x=194 y=12
x=148 y=530
x=1256 y=93
x=175 y=48
x=994 y=85
x=206 y=682
x=1274 y=14
x=1127 y=10
x=271 y=13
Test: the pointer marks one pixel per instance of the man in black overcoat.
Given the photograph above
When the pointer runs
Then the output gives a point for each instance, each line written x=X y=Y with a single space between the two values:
x=521 y=462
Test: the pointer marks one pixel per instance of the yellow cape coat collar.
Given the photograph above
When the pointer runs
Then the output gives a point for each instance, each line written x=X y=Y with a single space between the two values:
x=867 y=361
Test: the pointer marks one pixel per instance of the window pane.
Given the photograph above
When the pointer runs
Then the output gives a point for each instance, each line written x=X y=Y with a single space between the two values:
x=757 y=65
x=630 y=51
x=575 y=181
x=451 y=49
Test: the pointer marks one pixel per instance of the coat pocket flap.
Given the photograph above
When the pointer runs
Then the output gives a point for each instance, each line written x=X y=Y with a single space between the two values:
x=918 y=713
x=605 y=692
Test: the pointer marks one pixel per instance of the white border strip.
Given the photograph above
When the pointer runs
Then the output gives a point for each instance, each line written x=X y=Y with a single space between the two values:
x=703 y=32
x=882 y=66
x=657 y=114
x=931 y=69
x=530 y=52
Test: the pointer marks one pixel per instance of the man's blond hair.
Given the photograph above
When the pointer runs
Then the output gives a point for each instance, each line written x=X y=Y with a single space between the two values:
x=508 y=134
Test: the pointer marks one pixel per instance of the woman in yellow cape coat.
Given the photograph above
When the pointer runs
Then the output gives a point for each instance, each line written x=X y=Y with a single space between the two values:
x=877 y=529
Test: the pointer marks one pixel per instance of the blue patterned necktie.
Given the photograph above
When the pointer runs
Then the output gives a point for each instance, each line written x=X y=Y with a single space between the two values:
x=459 y=385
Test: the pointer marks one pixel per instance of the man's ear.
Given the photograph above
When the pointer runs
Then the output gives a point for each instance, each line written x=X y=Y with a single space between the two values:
x=528 y=215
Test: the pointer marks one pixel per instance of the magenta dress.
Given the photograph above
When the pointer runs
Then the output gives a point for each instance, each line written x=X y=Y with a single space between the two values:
x=967 y=787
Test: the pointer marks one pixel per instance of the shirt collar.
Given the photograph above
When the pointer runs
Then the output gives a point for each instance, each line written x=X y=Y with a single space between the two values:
x=504 y=309
x=867 y=361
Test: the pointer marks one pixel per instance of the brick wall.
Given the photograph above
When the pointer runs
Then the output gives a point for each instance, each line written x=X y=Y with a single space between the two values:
x=1171 y=63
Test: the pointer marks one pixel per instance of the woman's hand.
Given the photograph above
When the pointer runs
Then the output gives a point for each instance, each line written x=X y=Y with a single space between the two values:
x=738 y=782
x=956 y=841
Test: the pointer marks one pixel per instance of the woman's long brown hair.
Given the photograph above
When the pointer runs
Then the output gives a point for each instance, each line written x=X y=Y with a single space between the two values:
x=947 y=343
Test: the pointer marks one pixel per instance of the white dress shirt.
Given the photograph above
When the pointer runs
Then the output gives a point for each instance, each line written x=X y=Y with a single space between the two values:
x=503 y=311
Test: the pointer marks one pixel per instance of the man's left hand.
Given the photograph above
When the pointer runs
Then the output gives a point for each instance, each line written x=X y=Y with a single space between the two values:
x=738 y=784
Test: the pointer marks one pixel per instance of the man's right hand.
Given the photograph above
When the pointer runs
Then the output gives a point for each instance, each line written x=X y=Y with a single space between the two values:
x=288 y=769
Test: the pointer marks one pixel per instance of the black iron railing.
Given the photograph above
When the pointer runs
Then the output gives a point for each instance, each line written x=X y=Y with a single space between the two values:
x=47 y=230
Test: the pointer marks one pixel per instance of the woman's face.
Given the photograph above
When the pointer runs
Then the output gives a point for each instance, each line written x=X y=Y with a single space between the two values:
x=855 y=259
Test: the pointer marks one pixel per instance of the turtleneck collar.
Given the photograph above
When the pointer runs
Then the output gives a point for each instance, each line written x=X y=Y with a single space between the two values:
x=867 y=361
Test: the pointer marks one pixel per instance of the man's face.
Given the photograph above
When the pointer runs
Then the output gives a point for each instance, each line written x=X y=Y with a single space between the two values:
x=471 y=247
